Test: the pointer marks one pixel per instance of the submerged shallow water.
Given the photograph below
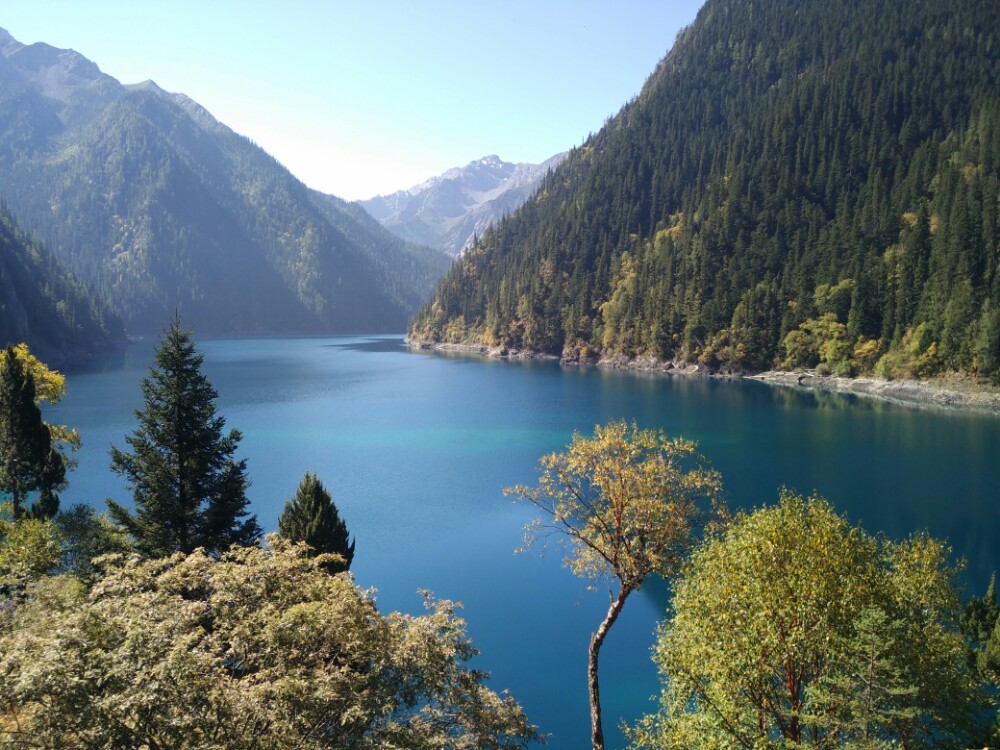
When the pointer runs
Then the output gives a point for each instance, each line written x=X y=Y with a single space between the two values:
x=416 y=449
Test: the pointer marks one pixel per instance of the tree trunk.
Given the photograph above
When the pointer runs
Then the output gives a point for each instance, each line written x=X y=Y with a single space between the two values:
x=596 y=729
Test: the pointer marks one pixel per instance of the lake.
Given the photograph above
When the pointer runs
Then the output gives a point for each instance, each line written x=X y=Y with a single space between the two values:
x=416 y=449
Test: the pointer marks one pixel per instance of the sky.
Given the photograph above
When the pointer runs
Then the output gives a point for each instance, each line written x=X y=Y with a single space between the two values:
x=365 y=97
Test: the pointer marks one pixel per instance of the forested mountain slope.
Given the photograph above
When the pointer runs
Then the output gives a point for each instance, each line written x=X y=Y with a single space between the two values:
x=799 y=182
x=160 y=207
x=42 y=305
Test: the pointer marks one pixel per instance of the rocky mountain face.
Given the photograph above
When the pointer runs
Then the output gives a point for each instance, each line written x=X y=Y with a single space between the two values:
x=449 y=211
x=158 y=206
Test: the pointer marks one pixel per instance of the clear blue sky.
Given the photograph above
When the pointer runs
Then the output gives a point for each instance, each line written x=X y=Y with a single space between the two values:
x=364 y=97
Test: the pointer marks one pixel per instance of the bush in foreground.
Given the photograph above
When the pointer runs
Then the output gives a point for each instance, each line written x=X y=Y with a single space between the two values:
x=260 y=648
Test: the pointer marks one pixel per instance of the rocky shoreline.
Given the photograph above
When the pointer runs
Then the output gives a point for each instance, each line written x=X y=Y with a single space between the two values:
x=948 y=392
x=951 y=392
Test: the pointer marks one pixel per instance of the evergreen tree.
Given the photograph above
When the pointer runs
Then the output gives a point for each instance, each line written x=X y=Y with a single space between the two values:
x=188 y=490
x=979 y=618
x=312 y=517
x=28 y=460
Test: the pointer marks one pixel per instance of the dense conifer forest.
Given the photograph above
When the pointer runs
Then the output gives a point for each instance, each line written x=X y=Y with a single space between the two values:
x=797 y=184
x=44 y=305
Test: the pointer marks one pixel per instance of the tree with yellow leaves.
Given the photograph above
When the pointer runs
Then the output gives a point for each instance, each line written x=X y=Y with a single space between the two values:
x=627 y=503
x=29 y=461
x=50 y=387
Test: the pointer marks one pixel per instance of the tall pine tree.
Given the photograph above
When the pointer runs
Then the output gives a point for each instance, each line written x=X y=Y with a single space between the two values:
x=312 y=517
x=188 y=490
x=28 y=460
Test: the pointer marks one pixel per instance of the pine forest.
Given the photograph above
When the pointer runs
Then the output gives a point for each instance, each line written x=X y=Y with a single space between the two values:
x=797 y=185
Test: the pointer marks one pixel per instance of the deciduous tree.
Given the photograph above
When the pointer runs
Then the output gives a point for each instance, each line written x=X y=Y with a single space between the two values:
x=259 y=649
x=29 y=549
x=627 y=503
x=795 y=629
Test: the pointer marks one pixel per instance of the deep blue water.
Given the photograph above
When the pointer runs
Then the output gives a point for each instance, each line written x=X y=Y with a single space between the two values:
x=417 y=448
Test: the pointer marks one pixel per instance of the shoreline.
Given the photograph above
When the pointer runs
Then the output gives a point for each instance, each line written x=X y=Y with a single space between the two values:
x=949 y=392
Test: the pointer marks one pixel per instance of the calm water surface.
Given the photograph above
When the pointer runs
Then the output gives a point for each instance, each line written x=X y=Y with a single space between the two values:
x=417 y=448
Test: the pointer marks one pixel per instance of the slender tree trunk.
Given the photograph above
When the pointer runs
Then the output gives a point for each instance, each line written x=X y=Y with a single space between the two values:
x=15 y=501
x=596 y=729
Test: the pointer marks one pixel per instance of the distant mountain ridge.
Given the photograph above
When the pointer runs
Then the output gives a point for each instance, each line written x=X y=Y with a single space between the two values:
x=160 y=207
x=449 y=211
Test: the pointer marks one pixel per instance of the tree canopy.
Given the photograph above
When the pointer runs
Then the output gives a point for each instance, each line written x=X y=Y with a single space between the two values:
x=627 y=504
x=793 y=628
x=257 y=649
x=188 y=489
x=312 y=517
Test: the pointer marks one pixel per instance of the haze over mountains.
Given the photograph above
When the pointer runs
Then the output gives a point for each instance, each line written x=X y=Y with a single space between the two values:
x=159 y=207
x=800 y=183
x=449 y=211
x=42 y=304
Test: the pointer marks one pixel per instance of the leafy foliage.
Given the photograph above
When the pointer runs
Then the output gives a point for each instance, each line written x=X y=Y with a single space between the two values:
x=833 y=165
x=795 y=629
x=188 y=490
x=627 y=503
x=260 y=649
x=312 y=517
x=29 y=550
x=29 y=462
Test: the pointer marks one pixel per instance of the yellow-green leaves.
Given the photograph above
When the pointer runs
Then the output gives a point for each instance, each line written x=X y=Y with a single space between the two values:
x=259 y=648
x=50 y=386
x=796 y=629
x=626 y=501
x=29 y=549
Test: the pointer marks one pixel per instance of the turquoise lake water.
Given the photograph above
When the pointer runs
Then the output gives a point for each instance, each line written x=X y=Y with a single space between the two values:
x=416 y=449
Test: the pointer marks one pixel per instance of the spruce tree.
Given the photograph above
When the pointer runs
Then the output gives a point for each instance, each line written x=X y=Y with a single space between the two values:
x=187 y=488
x=28 y=460
x=312 y=517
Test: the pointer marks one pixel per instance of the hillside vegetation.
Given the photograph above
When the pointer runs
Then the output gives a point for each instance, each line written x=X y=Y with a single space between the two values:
x=160 y=207
x=43 y=305
x=799 y=183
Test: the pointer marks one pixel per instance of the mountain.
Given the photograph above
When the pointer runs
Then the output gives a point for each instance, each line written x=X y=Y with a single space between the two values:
x=160 y=207
x=42 y=305
x=799 y=182
x=450 y=211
